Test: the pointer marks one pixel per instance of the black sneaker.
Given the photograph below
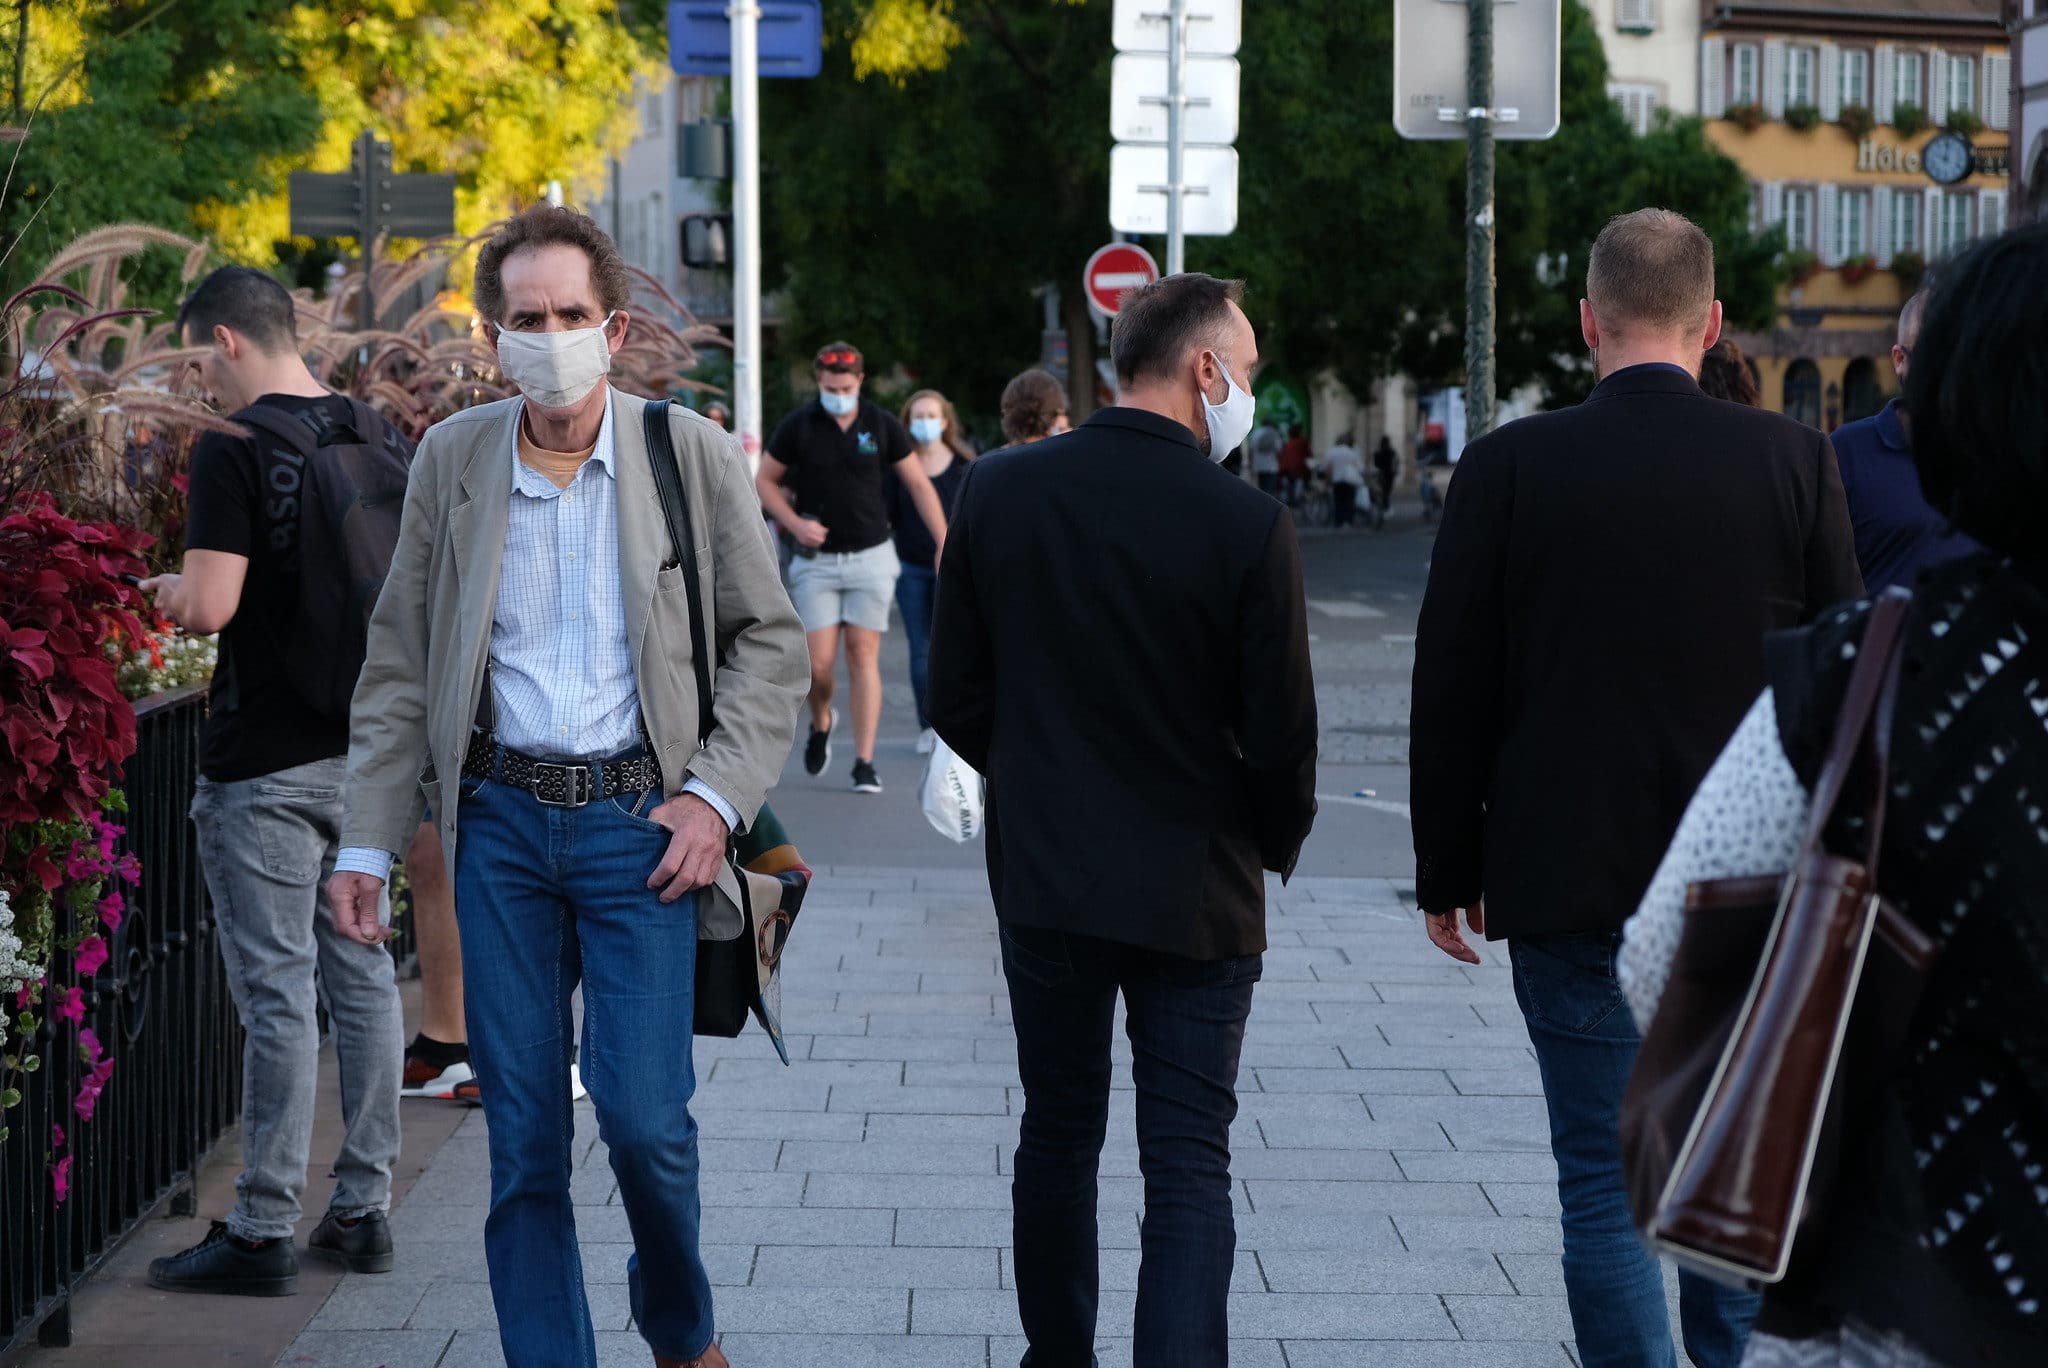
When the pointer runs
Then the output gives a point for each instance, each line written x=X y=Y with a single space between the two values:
x=362 y=1245
x=865 y=780
x=226 y=1264
x=818 y=750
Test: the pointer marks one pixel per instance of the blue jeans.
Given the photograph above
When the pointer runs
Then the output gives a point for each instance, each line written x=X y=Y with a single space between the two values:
x=917 y=594
x=1586 y=1043
x=1186 y=1022
x=545 y=897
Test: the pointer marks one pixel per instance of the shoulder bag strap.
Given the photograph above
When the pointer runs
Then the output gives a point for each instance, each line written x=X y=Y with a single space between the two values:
x=675 y=507
x=1863 y=727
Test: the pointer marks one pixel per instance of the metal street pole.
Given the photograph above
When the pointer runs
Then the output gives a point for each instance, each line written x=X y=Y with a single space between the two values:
x=1479 y=220
x=1176 y=104
x=746 y=224
x=366 y=233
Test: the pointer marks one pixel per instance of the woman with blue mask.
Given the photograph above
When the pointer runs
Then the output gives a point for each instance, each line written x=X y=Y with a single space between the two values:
x=943 y=451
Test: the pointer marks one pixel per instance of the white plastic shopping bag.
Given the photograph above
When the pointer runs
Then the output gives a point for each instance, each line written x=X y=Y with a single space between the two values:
x=952 y=795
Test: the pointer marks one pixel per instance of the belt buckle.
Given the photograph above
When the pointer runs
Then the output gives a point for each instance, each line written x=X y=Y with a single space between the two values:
x=572 y=785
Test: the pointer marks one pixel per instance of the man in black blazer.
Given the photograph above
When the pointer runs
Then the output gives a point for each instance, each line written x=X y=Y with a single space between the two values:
x=1121 y=649
x=1592 y=633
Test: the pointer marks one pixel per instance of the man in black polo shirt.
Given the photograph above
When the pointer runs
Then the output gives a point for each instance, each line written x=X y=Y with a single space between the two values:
x=834 y=453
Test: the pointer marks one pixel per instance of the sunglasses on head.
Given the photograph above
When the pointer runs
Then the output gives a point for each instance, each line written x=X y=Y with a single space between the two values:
x=839 y=358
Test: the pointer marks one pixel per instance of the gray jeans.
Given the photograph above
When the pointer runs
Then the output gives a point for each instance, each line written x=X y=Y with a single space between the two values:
x=268 y=846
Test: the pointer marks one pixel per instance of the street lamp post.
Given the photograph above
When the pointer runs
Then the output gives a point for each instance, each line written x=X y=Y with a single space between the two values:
x=1479 y=220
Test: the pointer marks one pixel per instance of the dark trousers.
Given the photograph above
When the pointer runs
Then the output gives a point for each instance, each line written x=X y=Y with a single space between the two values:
x=917 y=597
x=1343 y=503
x=1186 y=1020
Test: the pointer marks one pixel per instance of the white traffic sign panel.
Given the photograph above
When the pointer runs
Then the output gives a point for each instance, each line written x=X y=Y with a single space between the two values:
x=1429 y=68
x=1137 y=99
x=1112 y=270
x=1137 y=190
x=1215 y=27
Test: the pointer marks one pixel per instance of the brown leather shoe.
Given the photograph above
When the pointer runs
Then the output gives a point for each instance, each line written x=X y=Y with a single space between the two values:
x=713 y=1357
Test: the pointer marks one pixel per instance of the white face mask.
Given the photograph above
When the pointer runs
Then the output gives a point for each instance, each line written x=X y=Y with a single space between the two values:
x=556 y=369
x=1230 y=421
x=925 y=431
x=839 y=405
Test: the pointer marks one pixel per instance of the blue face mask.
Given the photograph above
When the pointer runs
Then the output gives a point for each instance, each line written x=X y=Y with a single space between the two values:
x=925 y=431
x=839 y=405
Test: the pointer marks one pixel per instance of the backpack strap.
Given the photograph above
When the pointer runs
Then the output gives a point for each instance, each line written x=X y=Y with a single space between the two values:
x=675 y=508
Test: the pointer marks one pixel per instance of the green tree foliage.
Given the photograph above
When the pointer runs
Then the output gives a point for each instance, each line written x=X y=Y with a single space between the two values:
x=147 y=111
x=954 y=155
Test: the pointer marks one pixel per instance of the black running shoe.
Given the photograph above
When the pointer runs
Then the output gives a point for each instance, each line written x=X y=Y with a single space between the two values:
x=818 y=750
x=362 y=1245
x=865 y=780
x=224 y=1263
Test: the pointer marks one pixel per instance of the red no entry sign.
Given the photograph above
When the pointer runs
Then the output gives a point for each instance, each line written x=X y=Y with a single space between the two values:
x=1112 y=270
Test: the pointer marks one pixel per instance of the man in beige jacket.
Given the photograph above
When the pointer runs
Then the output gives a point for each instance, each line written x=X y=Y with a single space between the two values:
x=530 y=655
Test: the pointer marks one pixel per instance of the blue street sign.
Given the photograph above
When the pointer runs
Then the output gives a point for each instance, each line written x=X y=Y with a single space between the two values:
x=700 y=38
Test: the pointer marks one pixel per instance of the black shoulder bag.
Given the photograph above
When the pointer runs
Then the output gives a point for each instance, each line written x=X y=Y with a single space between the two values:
x=735 y=976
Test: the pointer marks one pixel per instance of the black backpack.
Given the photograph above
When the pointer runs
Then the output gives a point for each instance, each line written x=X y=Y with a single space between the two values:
x=346 y=485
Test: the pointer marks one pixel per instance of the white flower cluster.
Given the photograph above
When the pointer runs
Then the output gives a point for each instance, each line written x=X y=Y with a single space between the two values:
x=15 y=971
x=184 y=660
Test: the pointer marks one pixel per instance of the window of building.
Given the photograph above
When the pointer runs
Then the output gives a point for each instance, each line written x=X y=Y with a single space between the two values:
x=1910 y=86
x=1852 y=226
x=1802 y=392
x=1962 y=84
x=1745 y=86
x=1855 y=78
x=1955 y=220
x=1991 y=214
x=1799 y=235
x=1906 y=211
x=1638 y=104
x=1635 y=16
x=1801 y=64
x=1997 y=91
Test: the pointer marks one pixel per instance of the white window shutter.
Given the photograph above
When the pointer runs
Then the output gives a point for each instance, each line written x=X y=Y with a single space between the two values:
x=1830 y=101
x=1774 y=78
x=1990 y=213
x=1774 y=204
x=1997 y=91
x=1884 y=82
x=1930 y=239
x=1636 y=16
x=1881 y=224
x=1713 y=77
x=1828 y=224
x=1937 y=86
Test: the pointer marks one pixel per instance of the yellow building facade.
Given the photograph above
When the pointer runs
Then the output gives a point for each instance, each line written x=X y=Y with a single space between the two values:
x=1874 y=132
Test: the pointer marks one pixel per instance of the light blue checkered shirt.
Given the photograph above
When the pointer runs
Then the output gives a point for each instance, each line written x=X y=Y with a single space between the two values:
x=562 y=679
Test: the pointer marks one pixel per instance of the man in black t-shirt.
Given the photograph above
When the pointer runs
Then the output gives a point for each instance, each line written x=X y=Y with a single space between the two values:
x=269 y=809
x=835 y=454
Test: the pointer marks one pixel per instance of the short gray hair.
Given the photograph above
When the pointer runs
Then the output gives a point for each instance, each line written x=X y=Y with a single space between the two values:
x=1654 y=268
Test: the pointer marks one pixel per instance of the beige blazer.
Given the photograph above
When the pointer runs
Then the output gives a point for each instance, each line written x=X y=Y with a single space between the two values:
x=430 y=636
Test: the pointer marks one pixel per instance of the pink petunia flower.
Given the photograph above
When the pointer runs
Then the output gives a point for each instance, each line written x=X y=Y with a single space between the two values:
x=67 y=1004
x=60 y=1179
x=129 y=868
x=89 y=1044
x=56 y=1136
x=90 y=1087
x=91 y=956
x=112 y=908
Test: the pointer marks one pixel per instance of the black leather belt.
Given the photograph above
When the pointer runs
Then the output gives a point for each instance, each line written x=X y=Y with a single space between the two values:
x=559 y=783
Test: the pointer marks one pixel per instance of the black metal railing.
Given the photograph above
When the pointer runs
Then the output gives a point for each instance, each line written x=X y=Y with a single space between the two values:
x=161 y=1008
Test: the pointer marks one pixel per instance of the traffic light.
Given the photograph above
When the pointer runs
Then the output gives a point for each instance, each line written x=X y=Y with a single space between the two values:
x=706 y=240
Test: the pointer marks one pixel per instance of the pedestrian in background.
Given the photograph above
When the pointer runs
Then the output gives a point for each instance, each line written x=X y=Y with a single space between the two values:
x=1294 y=463
x=1034 y=407
x=836 y=453
x=1383 y=464
x=943 y=454
x=1725 y=374
x=1898 y=533
x=532 y=651
x=1264 y=445
x=1122 y=649
x=1937 y=1251
x=1347 y=474
x=718 y=413
x=1591 y=634
x=263 y=569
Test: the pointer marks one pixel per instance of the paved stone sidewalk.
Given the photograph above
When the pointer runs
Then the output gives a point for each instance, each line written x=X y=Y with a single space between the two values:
x=1395 y=1196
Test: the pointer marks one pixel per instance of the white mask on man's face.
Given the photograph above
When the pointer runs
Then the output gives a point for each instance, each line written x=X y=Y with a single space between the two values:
x=1230 y=422
x=556 y=369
